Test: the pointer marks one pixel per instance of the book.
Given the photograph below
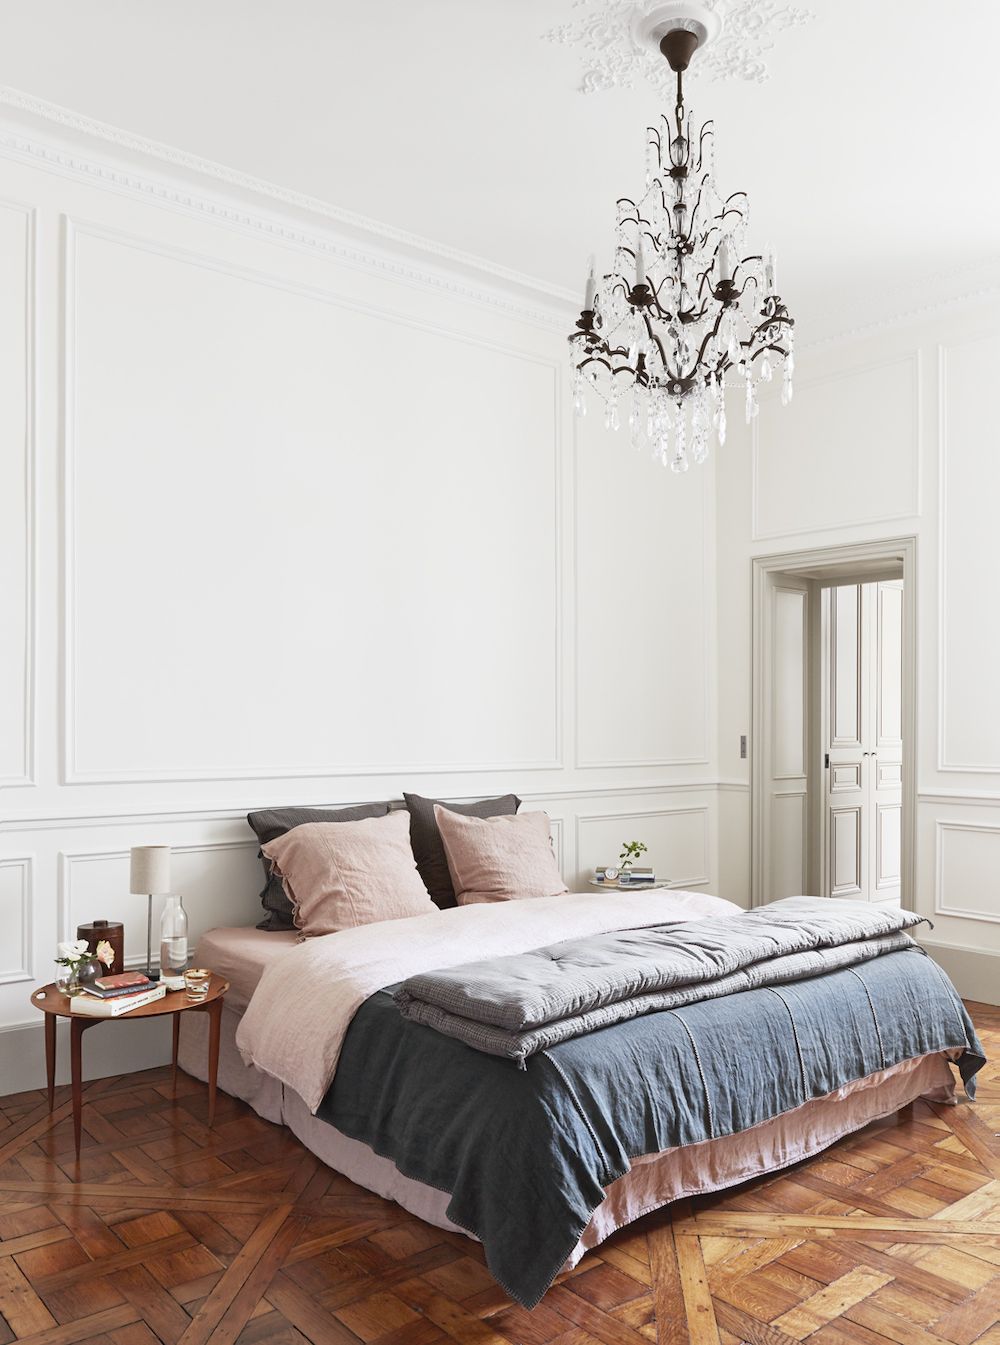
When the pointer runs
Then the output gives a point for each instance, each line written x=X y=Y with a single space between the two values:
x=125 y=983
x=95 y=1007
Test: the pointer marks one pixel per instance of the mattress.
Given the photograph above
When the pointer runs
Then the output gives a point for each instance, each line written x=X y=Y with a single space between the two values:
x=655 y=1180
x=240 y=955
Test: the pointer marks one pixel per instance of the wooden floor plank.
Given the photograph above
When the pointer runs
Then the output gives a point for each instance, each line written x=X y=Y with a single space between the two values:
x=169 y=1233
x=668 y=1298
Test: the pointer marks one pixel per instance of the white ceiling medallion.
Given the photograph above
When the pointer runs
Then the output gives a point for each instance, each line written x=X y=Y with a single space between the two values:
x=620 y=39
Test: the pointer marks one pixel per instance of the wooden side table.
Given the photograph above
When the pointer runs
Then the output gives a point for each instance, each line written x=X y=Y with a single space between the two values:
x=54 y=1004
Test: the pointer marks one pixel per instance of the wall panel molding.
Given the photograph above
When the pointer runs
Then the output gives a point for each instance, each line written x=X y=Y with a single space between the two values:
x=70 y=859
x=26 y=775
x=941 y=906
x=945 y=765
x=913 y=358
x=72 y=773
x=16 y=955
x=46 y=821
x=980 y=797
x=676 y=880
x=707 y=547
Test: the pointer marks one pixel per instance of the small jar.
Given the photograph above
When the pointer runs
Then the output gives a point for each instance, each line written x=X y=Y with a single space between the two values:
x=88 y=971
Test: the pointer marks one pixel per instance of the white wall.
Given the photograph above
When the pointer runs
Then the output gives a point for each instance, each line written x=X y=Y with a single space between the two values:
x=286 y=518
x=890 y=435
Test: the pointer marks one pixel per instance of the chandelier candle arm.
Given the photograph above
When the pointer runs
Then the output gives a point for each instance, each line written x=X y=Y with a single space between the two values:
x=685 y=302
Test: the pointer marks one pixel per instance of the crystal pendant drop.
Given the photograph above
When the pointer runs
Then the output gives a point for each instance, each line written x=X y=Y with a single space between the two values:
x=679 y=462
x=699 y=448
x=722 y=426
x=766 y=372
x=786 y=391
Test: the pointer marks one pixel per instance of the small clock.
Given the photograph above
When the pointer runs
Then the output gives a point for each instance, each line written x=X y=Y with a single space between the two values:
x=611 y=875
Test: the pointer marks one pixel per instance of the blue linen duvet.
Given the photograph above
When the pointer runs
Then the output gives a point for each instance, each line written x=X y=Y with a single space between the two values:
x=526 y=1153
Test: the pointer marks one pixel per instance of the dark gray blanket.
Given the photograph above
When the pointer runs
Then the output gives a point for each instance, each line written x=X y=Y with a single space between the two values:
x=526 y=1155
x=516 y=1006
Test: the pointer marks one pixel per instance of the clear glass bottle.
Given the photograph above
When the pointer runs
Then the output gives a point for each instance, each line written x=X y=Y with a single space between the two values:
x=173 y=937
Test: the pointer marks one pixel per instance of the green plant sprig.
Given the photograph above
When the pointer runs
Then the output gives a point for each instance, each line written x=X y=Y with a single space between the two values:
x=631 y=850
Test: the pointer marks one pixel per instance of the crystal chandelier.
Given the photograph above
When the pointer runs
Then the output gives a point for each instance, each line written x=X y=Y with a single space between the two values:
x=685 y=304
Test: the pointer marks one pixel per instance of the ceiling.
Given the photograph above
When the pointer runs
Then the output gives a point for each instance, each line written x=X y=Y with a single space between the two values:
x=865 y=153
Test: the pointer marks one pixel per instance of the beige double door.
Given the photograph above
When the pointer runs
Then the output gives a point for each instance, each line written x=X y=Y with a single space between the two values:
x=861 y=707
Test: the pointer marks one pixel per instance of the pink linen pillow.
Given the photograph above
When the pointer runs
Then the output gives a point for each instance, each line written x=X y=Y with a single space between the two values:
x=499 y=858
x=341 y=874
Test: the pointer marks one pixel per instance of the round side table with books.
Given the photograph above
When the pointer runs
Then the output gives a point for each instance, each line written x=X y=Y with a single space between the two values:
x=55 y=1005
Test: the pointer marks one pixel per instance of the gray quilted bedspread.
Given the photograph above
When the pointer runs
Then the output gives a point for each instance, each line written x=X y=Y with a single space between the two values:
x=516 y=1006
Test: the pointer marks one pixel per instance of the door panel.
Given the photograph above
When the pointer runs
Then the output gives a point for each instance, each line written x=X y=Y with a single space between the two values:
x=847 y=853
x=862 y=707
x=845 y=680
x=789 y=708
x=889 y=672
x=845 y=873
x=886 y=760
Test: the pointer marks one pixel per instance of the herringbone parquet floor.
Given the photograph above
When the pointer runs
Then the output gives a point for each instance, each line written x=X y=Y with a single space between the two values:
x=170 y=1232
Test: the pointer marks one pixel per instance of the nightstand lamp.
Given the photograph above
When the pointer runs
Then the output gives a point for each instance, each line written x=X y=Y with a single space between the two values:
x=149 y=875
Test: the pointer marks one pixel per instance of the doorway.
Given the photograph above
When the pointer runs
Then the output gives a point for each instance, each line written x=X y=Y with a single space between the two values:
x=833 y=744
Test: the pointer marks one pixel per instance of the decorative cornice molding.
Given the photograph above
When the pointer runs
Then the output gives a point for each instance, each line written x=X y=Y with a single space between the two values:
x=905 y=316
x=615 y=57
x=276 y=228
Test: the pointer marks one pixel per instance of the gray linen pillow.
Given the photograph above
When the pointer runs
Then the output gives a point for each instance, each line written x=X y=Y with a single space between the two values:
x=428 y=847
x=269 y=824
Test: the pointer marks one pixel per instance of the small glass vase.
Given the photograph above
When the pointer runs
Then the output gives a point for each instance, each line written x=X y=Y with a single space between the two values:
x=67 y=981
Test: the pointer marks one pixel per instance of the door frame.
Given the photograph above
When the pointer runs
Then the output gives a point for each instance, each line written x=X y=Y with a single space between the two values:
x=855 y=558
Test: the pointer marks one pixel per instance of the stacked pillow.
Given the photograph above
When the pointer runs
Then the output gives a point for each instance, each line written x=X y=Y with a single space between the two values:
x=269 y=824
x=330 y=869
x=499 y=858
x=341 y=874
x=428 y=847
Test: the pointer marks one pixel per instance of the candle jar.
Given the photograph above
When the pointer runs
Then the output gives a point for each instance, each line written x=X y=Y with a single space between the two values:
x=196 y=982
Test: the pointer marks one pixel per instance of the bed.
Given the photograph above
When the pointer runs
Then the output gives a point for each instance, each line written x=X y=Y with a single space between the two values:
x=373 y=1085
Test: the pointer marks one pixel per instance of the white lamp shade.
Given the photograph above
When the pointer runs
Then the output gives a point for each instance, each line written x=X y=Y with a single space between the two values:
x=150 y=869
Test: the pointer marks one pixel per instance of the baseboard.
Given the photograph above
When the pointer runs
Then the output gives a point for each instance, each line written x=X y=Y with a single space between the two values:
x=118 y=1048
x=975 y=974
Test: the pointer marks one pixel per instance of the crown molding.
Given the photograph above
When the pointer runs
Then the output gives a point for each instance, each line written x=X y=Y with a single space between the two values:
x=306 y=223
x=269 y=210
x=916 y=312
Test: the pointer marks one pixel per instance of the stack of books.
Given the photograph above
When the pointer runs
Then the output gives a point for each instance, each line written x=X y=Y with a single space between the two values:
x=111 y=996
x=634 y=877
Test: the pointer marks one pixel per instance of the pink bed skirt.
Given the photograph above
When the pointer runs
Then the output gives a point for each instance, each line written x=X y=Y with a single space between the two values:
x=653 y=1181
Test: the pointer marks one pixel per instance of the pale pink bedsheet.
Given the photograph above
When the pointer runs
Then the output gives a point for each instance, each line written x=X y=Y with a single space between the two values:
x=653 y=1181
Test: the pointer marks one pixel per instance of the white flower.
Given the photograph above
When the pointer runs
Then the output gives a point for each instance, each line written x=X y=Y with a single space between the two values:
x=75 y=950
